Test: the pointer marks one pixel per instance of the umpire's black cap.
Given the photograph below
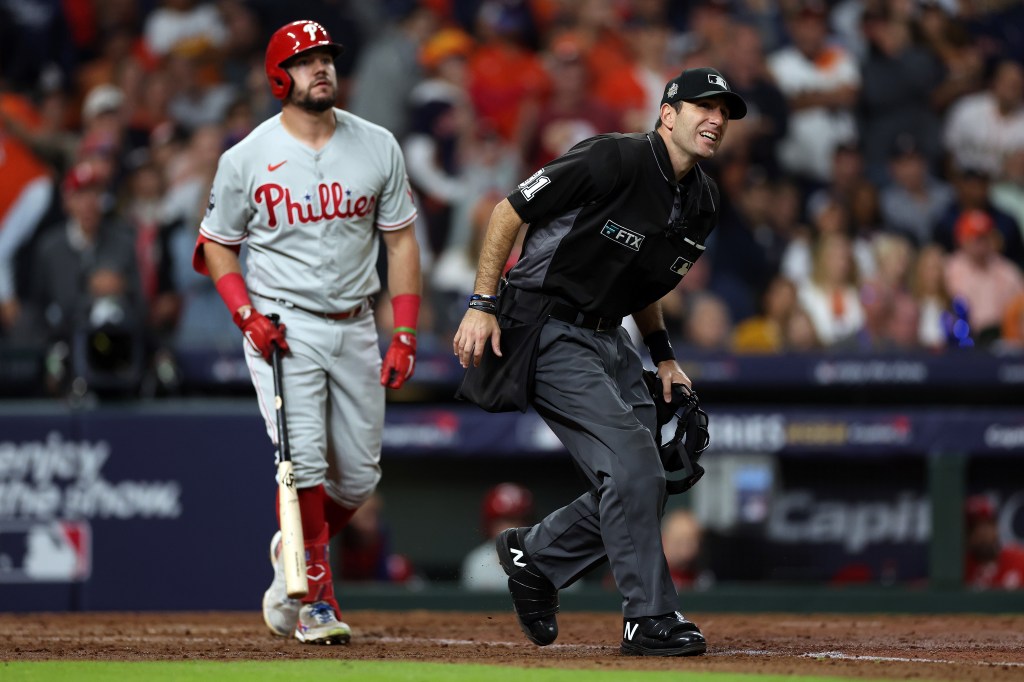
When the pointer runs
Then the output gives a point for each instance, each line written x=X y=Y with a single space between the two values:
x=693 y=84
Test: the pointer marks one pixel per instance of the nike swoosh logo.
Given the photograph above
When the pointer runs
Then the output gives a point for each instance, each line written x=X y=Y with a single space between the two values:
x=274 y=166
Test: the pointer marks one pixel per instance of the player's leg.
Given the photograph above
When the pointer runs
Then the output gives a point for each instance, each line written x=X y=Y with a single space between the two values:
x=305 y=392
x=355 y=421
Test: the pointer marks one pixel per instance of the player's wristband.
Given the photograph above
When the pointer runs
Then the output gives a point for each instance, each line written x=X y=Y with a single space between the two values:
x=405 y=308
x=657 y=343
x=231 y=288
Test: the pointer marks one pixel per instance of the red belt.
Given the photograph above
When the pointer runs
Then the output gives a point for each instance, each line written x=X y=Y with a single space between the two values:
x=354 y=312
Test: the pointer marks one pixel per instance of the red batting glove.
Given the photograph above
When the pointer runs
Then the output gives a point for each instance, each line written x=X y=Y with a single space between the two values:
x=261 y=332
x=399 y=361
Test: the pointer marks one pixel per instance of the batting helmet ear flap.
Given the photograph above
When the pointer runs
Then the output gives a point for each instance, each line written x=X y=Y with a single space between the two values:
x=290 y=40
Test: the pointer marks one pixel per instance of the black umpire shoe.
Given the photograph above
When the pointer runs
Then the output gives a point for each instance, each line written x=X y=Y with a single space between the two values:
x=668 y=635
x=534 y=598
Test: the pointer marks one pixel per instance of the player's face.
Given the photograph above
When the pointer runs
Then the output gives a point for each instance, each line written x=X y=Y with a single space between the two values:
x=699 y=127
x=315 y=82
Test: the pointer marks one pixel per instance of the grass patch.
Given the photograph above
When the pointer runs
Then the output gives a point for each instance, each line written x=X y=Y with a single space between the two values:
x=363 y=671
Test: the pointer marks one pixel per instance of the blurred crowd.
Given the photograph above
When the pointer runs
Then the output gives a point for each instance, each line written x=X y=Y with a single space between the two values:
x=873 y=197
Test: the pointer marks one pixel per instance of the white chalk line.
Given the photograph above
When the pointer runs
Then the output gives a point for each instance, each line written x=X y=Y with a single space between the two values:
x=900 y=659
x=478 y=642
x=730 y=652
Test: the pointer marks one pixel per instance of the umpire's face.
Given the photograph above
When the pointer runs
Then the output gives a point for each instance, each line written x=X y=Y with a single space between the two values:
x=698 y=128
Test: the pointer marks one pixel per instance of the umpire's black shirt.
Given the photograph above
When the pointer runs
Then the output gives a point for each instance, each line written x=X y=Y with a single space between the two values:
x=610 y=229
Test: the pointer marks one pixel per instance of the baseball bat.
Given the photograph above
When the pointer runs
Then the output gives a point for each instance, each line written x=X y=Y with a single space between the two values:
x=293 y=548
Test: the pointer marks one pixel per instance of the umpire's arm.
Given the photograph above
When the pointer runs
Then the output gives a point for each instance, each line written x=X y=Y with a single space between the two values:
x=649 y=320
x=478 y=327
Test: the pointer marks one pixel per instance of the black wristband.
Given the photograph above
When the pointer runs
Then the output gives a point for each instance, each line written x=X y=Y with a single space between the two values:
x=661 y=349
x=484 y=307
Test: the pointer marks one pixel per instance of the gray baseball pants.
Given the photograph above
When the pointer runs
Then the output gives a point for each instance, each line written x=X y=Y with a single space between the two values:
x=588 y=388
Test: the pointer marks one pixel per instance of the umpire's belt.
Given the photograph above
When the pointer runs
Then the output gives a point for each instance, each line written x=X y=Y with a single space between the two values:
x=344 y=315
x=555 y=309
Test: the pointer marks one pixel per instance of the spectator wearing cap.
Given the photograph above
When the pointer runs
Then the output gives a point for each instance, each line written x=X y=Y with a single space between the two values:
x=990 y=563
x=972 y=187
x=915 y=199
x=821 y=81
x=104 y=138
x=83 y=259
x=979 y=275
x=102 y=108
x=441 y=126
x=981 y=129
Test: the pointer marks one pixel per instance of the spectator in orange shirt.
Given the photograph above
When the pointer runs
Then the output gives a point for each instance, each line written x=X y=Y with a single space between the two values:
x=1013 y=324
x=977 y=273
x=600 y=27
x=634 y=89
x=25 y=195
x=504 y=74
x=989 y=564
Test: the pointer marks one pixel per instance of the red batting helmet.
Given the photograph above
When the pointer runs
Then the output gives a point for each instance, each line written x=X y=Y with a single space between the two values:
x=505 y=500
x=288 y=41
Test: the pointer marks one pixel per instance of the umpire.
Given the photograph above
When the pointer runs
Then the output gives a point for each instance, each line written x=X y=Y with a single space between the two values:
x=614 y=225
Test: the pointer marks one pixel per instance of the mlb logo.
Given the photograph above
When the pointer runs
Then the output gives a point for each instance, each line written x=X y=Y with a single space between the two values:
x=718 y=80
x=681 y=266
x=53 y=551
x=672 y=90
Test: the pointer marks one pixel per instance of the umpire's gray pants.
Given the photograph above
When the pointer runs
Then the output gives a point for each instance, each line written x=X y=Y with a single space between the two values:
x=590 y=392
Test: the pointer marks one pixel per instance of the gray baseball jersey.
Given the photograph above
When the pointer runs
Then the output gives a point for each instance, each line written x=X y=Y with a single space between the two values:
x=308 y=216
x=310 y=220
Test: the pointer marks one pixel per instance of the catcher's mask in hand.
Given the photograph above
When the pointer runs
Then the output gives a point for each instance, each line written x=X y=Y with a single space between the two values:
x=691 y=437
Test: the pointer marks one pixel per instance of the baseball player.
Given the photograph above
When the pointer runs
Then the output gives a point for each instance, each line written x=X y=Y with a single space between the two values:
x=310 y=191
x=615 y=223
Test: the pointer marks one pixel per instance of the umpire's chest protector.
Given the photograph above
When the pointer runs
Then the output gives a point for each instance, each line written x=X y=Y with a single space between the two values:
x=635 y=244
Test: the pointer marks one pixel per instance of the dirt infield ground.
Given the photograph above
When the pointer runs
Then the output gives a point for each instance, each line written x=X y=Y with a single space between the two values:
x=954 y=647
